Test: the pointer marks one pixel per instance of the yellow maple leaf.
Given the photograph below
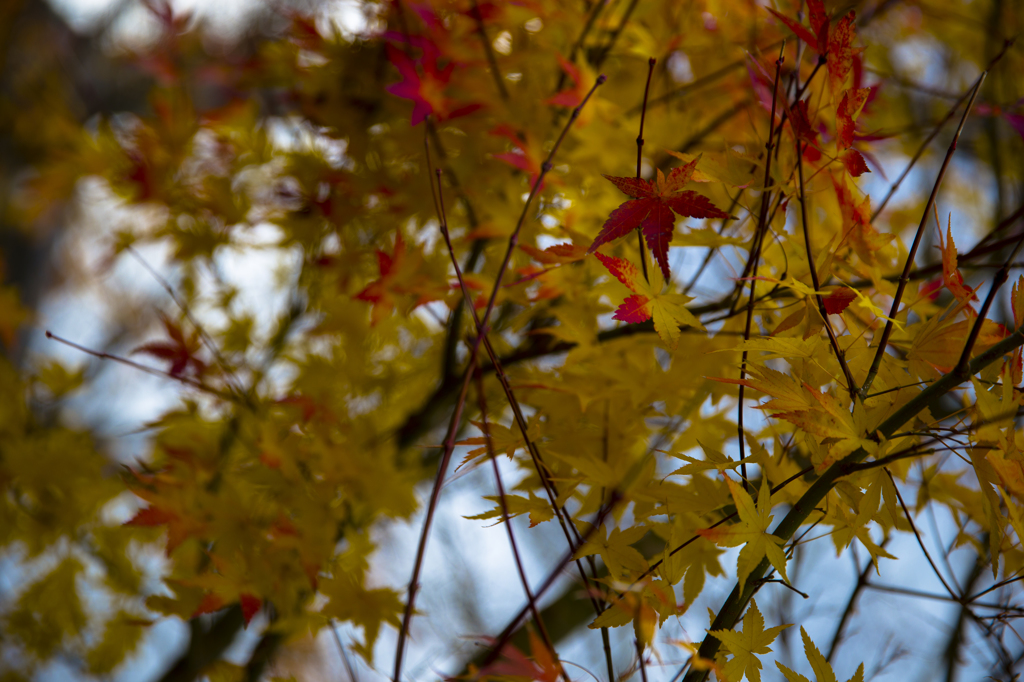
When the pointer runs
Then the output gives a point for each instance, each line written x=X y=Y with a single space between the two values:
x=745 y=646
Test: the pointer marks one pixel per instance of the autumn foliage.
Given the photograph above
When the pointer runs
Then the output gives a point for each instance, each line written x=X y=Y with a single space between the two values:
x=681 y=337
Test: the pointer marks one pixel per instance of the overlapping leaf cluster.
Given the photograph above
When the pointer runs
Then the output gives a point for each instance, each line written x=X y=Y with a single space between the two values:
x=366 y=166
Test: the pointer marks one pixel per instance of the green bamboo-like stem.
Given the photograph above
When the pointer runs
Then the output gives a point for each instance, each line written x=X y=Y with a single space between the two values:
x=734 y=606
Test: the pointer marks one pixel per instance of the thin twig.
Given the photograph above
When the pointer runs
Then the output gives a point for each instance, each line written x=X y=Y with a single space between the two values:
x=194 y=383
x=203 y=335
x=706 y=79
x=531 y=601
x=639 y=158
x=999 y=584
x=917 y=155
x=910 y=592
x=488 y=50
x=591 y=18
x=851 y=387
x=909 y=265
x=787 y=585
x=653 y=567
x=1001 y=276
x=606 y=50
x=513 y=624
x=737 y=600
x=449 y=442
x=920 y=542
x=862 y=582
x=568 y=529
x=755 y=256
x=344 y=654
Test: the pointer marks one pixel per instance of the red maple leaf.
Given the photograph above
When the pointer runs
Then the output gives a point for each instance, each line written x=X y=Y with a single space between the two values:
x=834 y=43
x=179 y=351
x=426 y=91
x=574 y=95
x=402 y=274
x=854 y=163
x=526 y=157
x=838 y=301
x=846 y=115
x=651 y=210
x=250 y=605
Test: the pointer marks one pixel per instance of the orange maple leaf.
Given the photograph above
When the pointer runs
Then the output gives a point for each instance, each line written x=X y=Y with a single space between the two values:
x=399 y=276
x=857 y=228
x=951 y=276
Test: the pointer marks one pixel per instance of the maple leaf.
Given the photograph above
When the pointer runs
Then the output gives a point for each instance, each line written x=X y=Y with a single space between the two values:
x=538 y=509
x=849 y=108
x=713 y=459
x=651 y=209
x=558 y=254
x=832 y=42
x=526 y=157
x=935 y=346
x=857 y=228
x=540 y=665
x=369 y=608
x=840 y=51
x=853 y=162
x=426 y=91
x=751 y=532
x=668 y=309
x=745 y=646
x=822 y=669
x=819 y=414
x=951 y=276
x=836 y=302
x=622 y=560
x=179 y=351
x=1017 y=302
x=571 y=97
x=400 y=275
x=502 y=439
